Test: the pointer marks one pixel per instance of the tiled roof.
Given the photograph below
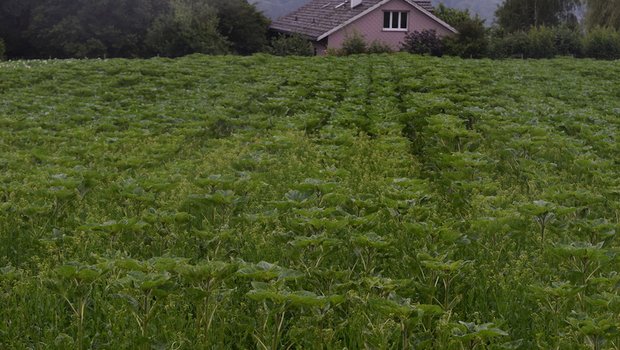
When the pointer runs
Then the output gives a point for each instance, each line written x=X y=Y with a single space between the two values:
x=320 y=16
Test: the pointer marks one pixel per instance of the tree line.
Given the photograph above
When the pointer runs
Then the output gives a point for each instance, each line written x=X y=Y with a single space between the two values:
x=515 y=15
x=146 y=28
x=545 y=28
x=130 y=28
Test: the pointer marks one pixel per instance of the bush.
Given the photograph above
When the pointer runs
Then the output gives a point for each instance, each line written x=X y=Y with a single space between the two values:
x=471 y=40
x=513 y=45
x=423 y=42
x=567 y=41
x=185 y=30
x=2 y=49
x=379 y=47
x=602 y=43
x=541 y=43
x=503 y=45
x=536 y=43
x=290 y=45
x=243 y=26
x=330 y=51
x=354 y=43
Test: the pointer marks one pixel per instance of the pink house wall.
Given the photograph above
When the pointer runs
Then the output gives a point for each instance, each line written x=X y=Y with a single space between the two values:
x=371 y=26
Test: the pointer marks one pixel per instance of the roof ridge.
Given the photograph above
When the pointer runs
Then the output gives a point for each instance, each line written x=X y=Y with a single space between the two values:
x=317 y=17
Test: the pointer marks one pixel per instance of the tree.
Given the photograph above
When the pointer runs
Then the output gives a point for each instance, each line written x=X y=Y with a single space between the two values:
x=2 y=49
x=354 y=43
x=55 y=29
x=190 y=27
x=122 y=25
x=129 y=28
x=514 y=15
x=451 y=15
x=603 y=13
x=15 y=18
x=424 y=42
x=92 y=28
x=242 y=25
x=602 y=43
x=471 y=41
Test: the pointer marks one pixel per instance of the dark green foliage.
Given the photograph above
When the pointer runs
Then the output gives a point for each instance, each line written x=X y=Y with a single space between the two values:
x=190 y=27
x=242 y=25
x=119 y=28
x=541 y=43
x=568 y=41
x=290 y=45
x=474 y=40
x=2 y=49
x=92 y=28
x=379 y=47
x=451 y=15
x=15 y=17
x=602 y=43
x=425 y=42
x=515 y=15
x=471 y=40
x=354 y=43
x=508 y=45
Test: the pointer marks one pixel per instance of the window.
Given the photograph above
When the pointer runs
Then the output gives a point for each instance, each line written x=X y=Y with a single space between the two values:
x=395 y=20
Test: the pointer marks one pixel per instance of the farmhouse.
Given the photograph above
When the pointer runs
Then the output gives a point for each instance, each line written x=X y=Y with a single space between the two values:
x=327 y=23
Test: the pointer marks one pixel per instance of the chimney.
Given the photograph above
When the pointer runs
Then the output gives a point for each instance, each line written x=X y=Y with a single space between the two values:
x=355 y=3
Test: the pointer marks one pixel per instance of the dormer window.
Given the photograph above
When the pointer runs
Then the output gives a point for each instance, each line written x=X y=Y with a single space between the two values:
x=395 y=20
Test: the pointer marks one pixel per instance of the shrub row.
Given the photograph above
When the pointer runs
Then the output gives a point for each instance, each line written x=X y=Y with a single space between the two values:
x=543 y=42
x=356 y=44
x=296 y=45
x=540 y=42
x=290 y=45
x=473 y=41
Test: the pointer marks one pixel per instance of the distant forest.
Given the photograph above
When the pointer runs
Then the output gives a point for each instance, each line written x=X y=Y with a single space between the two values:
x=484 y=8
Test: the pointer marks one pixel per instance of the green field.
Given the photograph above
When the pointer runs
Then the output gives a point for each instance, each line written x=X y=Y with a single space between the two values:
x=378 y=202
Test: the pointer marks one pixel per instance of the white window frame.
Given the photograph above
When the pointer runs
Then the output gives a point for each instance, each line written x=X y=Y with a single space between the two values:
x=399 y=14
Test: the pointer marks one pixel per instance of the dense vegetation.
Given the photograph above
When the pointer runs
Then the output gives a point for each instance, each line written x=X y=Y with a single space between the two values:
x=174 y=28
x=517 y=38
x=130 y=28
x=513 y=15
x=386 y=201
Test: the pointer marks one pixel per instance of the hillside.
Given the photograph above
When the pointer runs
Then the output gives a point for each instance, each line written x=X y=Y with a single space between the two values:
x=379 y=202
x=485 y=8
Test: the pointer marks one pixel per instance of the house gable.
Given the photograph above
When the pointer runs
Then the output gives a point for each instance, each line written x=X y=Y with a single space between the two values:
x=377 y=7
x=371 y=25
x=318 y=17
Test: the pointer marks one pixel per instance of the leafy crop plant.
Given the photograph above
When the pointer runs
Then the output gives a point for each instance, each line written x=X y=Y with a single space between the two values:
x=368 y=202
